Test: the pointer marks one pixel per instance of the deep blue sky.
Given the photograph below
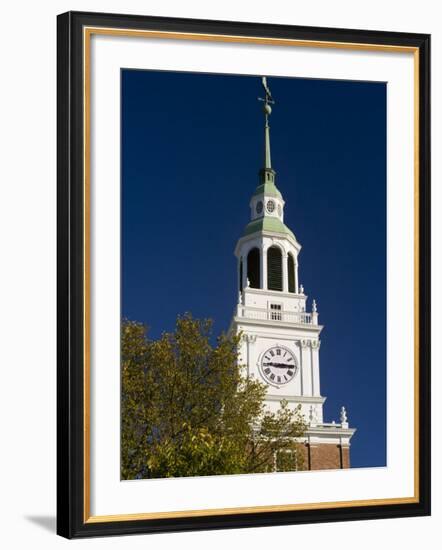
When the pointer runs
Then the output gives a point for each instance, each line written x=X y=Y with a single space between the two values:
x=192 y=147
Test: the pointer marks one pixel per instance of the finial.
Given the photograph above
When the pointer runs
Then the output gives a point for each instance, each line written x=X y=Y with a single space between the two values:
x=314 y=307
x=267 y=109
x=312 y=415
x=248 y=283
x=344 y=420
x=267 y=100
x=301 y=289
x=343 y=414
x=239 y=297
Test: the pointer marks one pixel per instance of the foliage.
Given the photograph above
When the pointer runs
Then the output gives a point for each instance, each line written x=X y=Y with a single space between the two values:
x=189 y=410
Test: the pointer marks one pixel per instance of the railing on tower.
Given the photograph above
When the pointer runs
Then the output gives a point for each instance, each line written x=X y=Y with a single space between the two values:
x=264 y=314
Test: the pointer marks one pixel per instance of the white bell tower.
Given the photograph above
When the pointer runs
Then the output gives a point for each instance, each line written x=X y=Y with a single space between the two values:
x=281 y=330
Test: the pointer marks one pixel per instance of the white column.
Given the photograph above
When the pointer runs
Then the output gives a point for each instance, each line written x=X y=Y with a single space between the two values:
x=315 y=368
x=307 y=388
x=263 y=267
x=285 y=279
x=248 y=355
x=296 y=277
x=301 y=373
x=250 y=339
x=240 y=260
x=244 y=352
x=244 y=271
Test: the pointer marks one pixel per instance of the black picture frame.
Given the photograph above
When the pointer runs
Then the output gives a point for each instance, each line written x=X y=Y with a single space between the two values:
x=72 y=521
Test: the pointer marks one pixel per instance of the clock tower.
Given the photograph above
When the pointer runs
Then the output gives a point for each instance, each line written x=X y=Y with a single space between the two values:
x=280 y=326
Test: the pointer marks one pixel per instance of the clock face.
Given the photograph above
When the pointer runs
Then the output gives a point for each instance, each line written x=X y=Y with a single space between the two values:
x=278 y=365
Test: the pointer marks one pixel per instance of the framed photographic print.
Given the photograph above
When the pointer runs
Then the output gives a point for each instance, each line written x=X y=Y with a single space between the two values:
x=243 y=274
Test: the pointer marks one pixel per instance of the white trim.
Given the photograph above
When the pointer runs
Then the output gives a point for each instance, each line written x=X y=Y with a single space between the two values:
x=264 y=322
x=298 y=399
x=267 y=233
x=277 y=293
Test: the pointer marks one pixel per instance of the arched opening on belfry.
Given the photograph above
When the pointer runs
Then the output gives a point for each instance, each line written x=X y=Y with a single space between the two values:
x=274 y=268
x=291 y=272
x=253 y=268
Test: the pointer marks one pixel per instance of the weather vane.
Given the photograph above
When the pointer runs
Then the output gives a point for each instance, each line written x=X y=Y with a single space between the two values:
x=268 y=100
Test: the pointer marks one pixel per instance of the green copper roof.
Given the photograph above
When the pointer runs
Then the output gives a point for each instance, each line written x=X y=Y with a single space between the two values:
x=267 y=189
x=268 y=223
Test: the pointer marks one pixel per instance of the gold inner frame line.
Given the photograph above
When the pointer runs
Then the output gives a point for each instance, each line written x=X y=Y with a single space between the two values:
x=87 y=34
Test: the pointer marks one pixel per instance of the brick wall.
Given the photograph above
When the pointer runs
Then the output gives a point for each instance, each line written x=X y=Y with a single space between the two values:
x=326 y=457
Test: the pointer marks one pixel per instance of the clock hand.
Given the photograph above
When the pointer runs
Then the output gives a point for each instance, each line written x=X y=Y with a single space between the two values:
x=277 y=365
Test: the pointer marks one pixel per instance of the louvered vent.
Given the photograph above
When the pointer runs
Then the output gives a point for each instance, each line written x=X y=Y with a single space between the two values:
x=253 y=268
x=291 y=272
x=274 y=268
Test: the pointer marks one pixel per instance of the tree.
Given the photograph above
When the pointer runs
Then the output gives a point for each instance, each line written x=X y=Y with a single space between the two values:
x=188 y=409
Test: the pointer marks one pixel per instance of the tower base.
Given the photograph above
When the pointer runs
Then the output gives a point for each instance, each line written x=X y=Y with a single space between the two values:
x=325 y=456
x=327 y=446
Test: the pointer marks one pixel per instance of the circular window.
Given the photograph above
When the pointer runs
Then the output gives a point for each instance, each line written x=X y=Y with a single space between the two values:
x=270 y=206
x=259 y=207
